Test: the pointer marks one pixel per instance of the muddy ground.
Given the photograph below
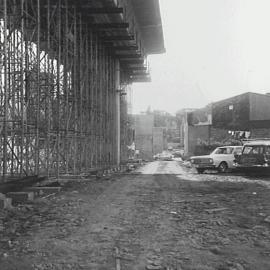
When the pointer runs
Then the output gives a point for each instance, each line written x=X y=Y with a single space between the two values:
x=163 y=216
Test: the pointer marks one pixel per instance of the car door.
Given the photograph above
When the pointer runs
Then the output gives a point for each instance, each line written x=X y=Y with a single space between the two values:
x=224 y=154
x=229 y=157
x=236 y=152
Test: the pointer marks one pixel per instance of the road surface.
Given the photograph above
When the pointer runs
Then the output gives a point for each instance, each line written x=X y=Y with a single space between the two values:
x=162 y=216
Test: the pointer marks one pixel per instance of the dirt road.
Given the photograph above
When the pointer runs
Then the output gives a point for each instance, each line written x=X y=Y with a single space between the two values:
x=164 y=216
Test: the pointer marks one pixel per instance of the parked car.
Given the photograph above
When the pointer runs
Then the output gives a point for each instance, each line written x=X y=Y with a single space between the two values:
x=156 y=157
x=221 y=159
x=254 y=156
x=166 y=157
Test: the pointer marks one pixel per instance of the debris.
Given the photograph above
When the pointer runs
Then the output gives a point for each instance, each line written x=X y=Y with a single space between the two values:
x=19 y=197
x=154 y=267
x=232 y=266
x=267 y=219
x=2 y=228
x=202 y=221
x=43 y=190
x=216 y=250
x=117 y=259
x=5 y=203
x=214 y=210
x=238 y=266
x=49 y=195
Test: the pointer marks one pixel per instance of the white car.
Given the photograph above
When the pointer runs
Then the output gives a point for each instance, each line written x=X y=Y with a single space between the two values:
x=221 y=159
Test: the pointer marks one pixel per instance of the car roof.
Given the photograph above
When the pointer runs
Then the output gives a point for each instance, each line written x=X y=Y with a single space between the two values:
x=233 y=146
x=257 y=143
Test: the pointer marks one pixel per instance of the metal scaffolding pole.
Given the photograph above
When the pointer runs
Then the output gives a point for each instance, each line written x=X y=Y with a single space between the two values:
x=59 y=105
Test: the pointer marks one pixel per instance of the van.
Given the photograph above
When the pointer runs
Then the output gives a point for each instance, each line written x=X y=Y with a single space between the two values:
x=255 y=155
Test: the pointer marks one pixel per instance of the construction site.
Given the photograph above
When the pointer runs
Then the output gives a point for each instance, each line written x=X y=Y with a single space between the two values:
x=66 y=73
x=79 y=189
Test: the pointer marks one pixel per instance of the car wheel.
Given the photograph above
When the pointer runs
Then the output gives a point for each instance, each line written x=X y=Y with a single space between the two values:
x=200 y=170
x=223 y=167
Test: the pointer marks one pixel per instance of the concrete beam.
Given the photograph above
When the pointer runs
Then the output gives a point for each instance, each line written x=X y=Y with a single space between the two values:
x=43 y=190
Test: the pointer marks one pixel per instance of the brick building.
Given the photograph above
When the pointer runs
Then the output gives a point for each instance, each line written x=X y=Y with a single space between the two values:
x=224 y=122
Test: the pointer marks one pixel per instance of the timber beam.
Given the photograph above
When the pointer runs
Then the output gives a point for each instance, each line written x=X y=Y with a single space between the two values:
x=134 y=61
x=140 y=79
x=117 y=38
x=130 y=69
x=126 y=48
x=134 y=74
x=107 y=10
x=110 y=25
x=128 y=56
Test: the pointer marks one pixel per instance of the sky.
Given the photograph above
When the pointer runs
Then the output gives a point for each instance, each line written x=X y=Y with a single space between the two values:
x=215 y=49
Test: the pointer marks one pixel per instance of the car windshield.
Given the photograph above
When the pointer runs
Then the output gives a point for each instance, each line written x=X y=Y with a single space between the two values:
x=223 y=151
x=253 y=149
x=237 y=151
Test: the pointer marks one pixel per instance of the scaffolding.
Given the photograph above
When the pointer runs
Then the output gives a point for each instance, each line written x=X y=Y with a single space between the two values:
x=61 y=81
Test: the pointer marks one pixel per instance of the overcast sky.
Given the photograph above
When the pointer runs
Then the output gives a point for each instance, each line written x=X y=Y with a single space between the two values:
x=215 y=49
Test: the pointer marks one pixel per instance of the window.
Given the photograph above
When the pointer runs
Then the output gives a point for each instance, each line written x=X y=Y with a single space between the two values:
x=237 y=150
x=223 y=151
x=253 y=150
x=267 y=150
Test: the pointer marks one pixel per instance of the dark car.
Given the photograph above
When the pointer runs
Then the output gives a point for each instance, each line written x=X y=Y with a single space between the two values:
x=255 y=156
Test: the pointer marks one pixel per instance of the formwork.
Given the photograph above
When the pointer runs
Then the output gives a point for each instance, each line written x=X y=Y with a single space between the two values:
x=65 y=69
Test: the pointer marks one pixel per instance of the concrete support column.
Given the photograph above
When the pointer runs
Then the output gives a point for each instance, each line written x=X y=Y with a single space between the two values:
x=117 y=114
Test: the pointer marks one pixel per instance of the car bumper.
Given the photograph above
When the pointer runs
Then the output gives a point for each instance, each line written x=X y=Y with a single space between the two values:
x=251 y=168
x=204 y=166
x=236 y=165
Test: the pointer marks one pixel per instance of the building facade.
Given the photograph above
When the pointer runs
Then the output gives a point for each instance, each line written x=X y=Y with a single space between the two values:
x=225 y=122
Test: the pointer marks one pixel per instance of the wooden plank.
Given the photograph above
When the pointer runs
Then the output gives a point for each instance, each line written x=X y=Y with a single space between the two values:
x=108 y=10
x=117 y=259
x=118 y=38
x=110 y=25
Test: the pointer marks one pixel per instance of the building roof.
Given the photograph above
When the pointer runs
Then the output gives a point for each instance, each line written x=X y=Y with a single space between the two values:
x=245 y=94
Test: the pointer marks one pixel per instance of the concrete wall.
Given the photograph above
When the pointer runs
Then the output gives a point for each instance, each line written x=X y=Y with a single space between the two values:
x=159 y=140
x=144 y=124
x=203 y=135
x=259 y=107
x=144 y=143
x=218 y=135
x=260 y=133
x=196 y=135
